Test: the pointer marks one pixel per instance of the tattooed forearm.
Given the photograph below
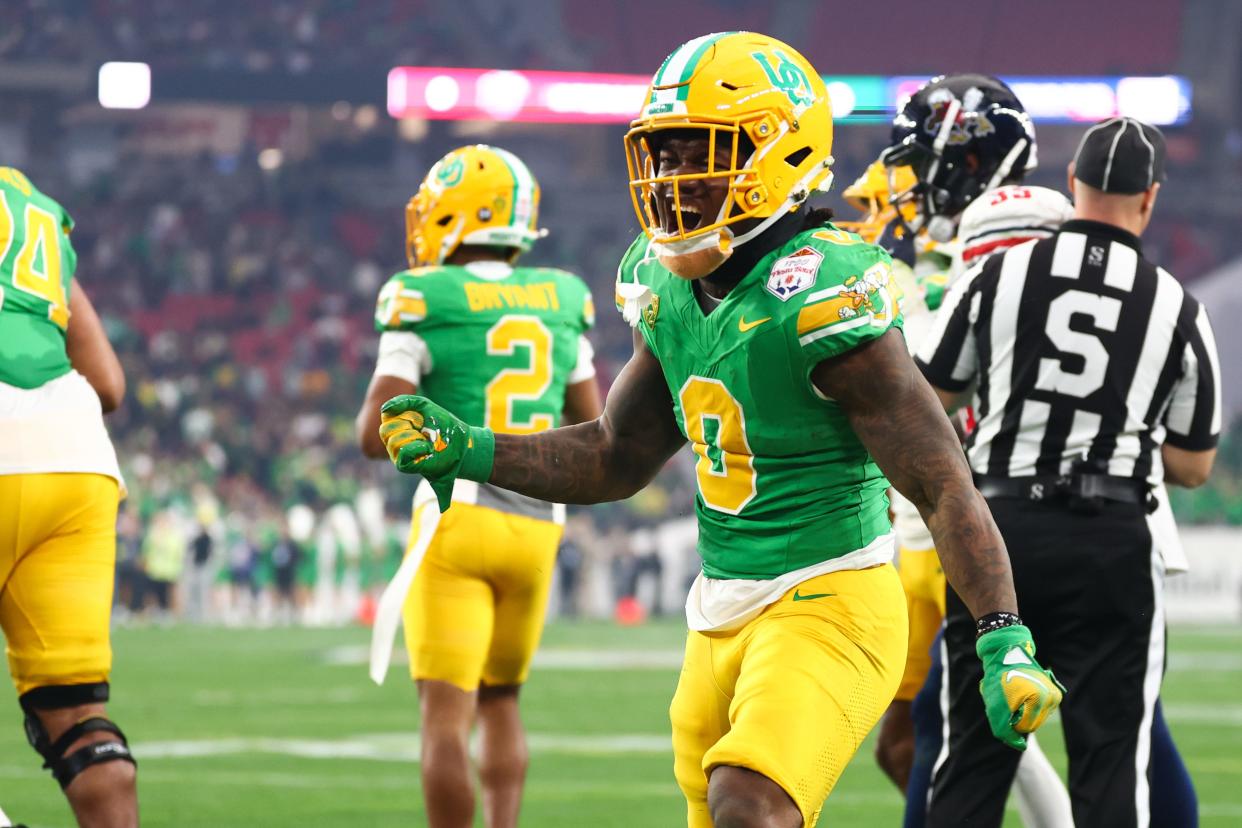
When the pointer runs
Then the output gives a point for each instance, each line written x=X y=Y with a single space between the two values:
x=609 y=458
x=566 y=465
x=898 y=418
x=971 y=550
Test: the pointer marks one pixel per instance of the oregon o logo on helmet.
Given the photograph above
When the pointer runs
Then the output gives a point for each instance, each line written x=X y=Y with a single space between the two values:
x=787 y=76
x=450 y=174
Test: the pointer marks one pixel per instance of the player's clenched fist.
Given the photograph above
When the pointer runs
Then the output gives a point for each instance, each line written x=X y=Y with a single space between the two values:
x=1018 y=694
x=423 y=438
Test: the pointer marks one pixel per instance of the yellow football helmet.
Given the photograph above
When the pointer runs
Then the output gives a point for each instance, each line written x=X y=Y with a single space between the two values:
x=872 y=195
x=477 y=195
x=733 y=86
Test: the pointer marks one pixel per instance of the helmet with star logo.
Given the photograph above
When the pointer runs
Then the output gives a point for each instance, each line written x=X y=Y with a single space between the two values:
x=963 y=135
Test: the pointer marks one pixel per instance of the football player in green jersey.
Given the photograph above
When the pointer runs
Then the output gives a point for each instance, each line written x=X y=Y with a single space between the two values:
x=59 y=485
x=506 y=346
x=771 y=341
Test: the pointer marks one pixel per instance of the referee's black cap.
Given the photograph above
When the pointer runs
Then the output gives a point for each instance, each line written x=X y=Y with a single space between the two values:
x=1120 y=155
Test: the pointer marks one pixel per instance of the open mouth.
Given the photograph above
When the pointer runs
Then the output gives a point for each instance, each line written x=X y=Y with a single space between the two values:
x=691 y=215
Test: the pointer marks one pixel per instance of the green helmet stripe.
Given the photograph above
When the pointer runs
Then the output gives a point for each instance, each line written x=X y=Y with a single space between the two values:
x=522 y=207
x=679 y=66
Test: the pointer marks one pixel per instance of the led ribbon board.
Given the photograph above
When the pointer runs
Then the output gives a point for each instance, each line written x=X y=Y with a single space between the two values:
x=441 y=93
x=1163 y=100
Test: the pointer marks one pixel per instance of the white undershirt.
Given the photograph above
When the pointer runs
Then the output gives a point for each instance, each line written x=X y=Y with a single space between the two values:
x=721 y=604
x=55 y=428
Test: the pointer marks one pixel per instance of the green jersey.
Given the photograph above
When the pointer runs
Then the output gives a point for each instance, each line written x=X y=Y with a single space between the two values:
x=36 y=269
x=500 y=343
x=783 y=482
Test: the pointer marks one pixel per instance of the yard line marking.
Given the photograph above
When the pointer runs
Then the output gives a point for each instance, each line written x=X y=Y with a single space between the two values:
x=550 y=658
x=396 y=747
x=285 y=696
x=1216 y=809
x=1217 y=715
x=1206 y=661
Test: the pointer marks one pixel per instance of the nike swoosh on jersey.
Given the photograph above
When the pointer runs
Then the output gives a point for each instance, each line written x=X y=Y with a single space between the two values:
x=744 y=326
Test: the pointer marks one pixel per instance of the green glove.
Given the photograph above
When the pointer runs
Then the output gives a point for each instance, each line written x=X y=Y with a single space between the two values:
x=1018 y=694
x=423 y=438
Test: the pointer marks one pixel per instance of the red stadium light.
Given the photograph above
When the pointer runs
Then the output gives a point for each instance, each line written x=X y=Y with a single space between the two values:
x=506 y=95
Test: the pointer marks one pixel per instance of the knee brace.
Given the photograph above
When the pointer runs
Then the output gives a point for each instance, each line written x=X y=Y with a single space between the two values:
x=66 y=768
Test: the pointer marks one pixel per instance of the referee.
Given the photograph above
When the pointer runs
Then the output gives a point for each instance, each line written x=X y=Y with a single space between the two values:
x=1094 y=377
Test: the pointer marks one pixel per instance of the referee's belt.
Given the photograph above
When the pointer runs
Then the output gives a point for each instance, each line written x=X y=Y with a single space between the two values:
x=1073 y=488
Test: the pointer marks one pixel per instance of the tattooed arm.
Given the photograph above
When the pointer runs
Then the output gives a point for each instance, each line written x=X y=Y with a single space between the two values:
x=609 y=458
x=897 y=417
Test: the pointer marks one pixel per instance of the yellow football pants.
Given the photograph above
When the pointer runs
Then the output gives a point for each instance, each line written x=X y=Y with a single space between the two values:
x=792 y=693
x=57 y=564
x=476 y=608
x=923 y=581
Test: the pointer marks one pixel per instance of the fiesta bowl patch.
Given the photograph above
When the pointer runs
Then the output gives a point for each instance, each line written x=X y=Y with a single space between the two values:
x=794 y=273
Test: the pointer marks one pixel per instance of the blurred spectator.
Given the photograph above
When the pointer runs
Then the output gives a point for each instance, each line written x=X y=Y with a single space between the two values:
x=286 y=555
x=163 y=559
x=242 y=587
x=198 y=577
x=128 y=593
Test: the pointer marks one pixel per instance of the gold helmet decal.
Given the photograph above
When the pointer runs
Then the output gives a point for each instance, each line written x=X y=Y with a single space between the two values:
x=476 y=195
x=757 y=97
x=880 y=195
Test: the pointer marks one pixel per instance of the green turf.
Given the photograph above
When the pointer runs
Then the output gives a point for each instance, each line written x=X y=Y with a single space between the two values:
x=200 y=687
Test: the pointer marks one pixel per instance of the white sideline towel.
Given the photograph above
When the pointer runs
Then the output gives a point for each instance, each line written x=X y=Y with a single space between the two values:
x=388 y=613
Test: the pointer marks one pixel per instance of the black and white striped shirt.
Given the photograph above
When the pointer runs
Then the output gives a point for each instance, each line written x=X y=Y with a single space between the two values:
x=1077 y=346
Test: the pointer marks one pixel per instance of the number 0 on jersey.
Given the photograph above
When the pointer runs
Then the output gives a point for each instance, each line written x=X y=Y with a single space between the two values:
x=716 y=427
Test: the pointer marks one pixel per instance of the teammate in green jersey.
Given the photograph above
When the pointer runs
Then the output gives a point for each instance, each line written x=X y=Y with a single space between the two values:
x=771 y=341
x=59 y=489
x=504 y=345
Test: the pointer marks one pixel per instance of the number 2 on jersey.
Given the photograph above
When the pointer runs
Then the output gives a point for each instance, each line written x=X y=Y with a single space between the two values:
x=36 y=270
x=523 y=384
x=716 y=427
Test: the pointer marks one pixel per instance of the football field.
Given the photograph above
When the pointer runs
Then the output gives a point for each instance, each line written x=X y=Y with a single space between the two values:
x=282 y=727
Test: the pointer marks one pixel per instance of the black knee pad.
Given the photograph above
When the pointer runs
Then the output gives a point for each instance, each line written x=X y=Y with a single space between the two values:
x=66 y=768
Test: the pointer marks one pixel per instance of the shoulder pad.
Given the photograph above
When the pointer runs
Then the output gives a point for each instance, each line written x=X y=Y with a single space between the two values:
x=634 y=254
x=1010 y=215
x=419 y=272
x=630 y=294
x=855 y=296
x=401 y=305
x=573 y=280
x=819 y=259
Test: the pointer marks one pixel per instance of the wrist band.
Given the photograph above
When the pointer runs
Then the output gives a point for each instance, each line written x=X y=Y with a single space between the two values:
x=995 y=621
x=476 y=463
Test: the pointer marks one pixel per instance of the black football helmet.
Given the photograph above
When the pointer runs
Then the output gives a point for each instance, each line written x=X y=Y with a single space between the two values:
x=963 y=135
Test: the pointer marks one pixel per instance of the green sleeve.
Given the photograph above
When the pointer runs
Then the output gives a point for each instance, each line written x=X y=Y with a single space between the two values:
x=931 y=272
x=401 y=305
x=580 y=300
x=855 y=299
x=588 y=308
